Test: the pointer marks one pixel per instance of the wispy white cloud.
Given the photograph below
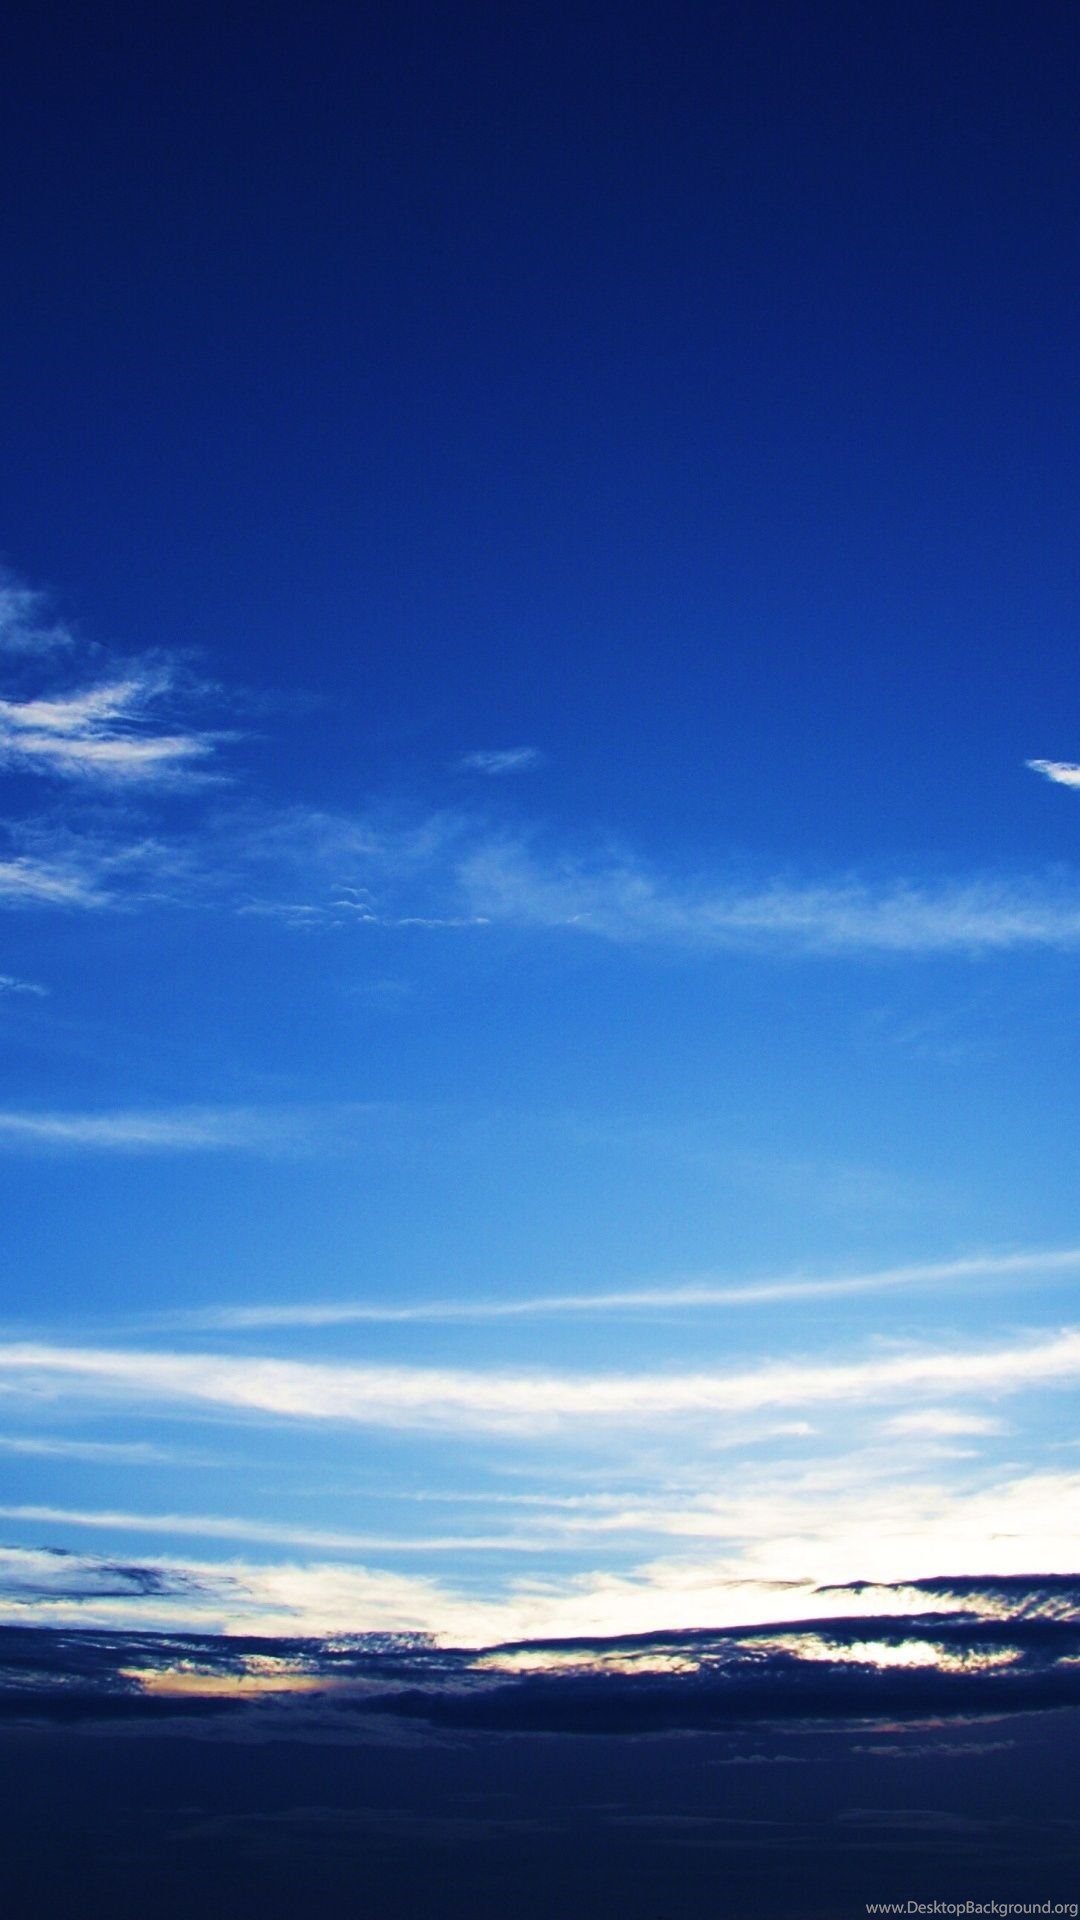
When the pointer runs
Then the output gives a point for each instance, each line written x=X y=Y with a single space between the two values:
x=114 y=731
x=191 y=1129
x=26 y=882
x=108 y=1453
x=123 y=729
x=500 y=760
x=25 y=623
x=529 y=1402
x=101 y=733
x=768 y=1525
x=454 y=870
x=449 y=870
x=98 y=864
x=1064 y=772
x=10 y=983
x=205 y=1526
x=689 y=1296
x=315 y=870
x=622 y=901
x=351 y=906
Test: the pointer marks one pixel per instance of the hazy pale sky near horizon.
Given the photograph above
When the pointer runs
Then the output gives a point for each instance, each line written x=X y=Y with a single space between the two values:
x=541 y=861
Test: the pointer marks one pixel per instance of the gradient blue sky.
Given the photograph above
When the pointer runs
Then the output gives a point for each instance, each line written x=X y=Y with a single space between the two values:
x=538 y=973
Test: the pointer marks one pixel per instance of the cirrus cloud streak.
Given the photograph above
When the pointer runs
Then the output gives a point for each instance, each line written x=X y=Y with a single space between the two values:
x=100 y=733
x=622 y=901
x=449 y=1399
x=688 y=1296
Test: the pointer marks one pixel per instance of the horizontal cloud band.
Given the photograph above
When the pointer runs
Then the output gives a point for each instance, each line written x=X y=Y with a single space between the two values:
x=625 y=903
x=674 y=1297
x=420 y=1397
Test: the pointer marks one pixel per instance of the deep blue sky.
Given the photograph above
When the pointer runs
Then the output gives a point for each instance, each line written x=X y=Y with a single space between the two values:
x=686 y=382
x=538 y=545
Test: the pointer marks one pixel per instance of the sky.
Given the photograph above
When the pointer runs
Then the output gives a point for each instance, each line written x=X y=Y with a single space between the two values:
x=540 y=868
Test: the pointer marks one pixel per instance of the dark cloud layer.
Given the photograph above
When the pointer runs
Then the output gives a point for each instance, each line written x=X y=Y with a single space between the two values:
x=1004 y=1646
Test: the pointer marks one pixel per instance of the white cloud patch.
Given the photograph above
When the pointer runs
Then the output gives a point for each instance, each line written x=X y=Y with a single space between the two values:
x=104 y=733
x=1065 y=773
x=120 y=730
x=435 y=1399
x=500 y=760
x=942 y=1423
